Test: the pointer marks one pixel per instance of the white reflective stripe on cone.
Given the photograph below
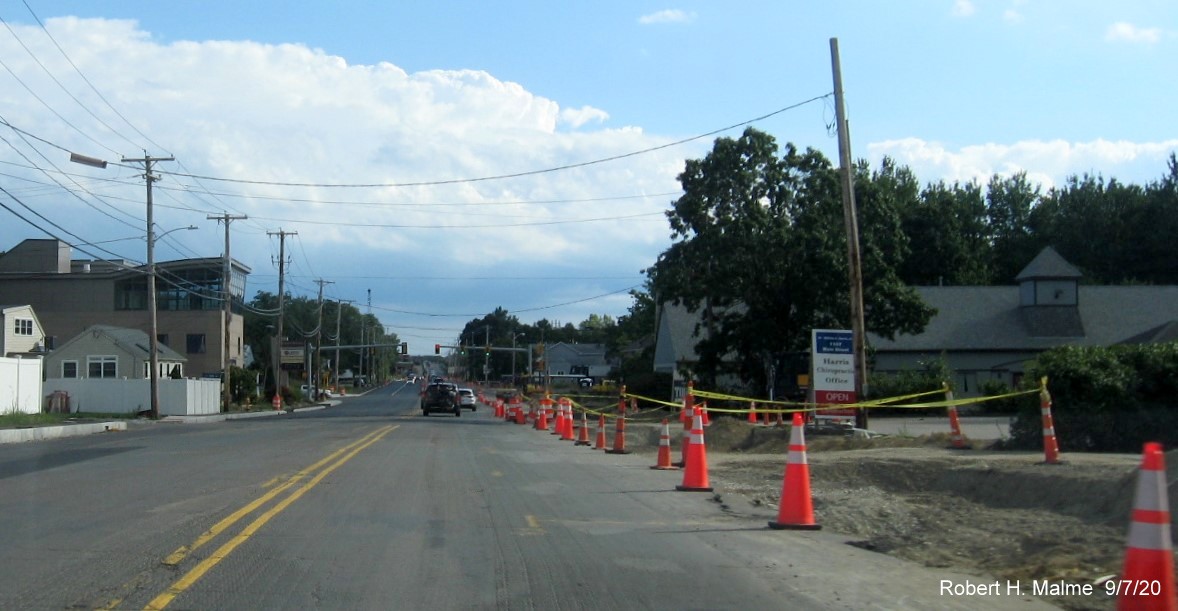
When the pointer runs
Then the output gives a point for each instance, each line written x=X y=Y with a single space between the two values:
x=1151 y=492
x=1143 y=535
x=697 y=438
x=797 y=457
x=1049 y=431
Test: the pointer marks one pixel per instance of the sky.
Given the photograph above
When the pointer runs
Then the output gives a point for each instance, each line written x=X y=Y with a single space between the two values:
x=441 y=160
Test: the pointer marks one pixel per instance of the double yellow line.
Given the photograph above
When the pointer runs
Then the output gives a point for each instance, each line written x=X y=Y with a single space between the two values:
x=324 y=468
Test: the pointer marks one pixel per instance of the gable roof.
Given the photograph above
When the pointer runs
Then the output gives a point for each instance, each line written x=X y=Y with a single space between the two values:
x=1048 y=264
x=990 y=318
x=134 y=341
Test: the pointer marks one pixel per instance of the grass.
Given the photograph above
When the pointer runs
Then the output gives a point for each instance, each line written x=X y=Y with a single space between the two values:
x=15 y=420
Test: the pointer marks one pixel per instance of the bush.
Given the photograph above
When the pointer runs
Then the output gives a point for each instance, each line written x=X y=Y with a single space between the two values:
x=1110 y=399
x=931 y=376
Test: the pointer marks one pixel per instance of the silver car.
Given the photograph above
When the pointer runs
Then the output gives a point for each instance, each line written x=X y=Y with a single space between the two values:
x=466 y=399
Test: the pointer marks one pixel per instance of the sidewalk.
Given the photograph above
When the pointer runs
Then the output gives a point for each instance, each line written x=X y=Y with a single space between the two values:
x=58 y=431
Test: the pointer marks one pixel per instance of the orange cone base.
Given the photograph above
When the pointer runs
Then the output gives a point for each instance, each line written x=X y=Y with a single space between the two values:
x=666 y=467
x=780 y=526
x=682 y=488
x=613 y=451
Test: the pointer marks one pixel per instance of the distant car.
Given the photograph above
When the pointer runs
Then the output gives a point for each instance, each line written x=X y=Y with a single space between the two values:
x=440 y=397
x=311 y=393
x=585 y=382
x=466 y=399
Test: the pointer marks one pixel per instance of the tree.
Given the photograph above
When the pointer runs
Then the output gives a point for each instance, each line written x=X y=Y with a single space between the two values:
x=947 y=236
x=1013 y=239
x=760 y=252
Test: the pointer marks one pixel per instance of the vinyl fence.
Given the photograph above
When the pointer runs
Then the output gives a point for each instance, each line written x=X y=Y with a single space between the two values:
x=177 y=397
x=20 y=385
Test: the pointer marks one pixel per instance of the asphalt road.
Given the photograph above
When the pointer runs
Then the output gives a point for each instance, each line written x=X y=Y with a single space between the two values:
x=369 y=505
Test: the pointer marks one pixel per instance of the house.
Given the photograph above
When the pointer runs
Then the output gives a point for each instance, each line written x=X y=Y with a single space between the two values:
x=106 y=352
x=22 y=331
x=675 y=341
x=563 y=359
x=70 y=295
x=989 y=333
x=992 y=332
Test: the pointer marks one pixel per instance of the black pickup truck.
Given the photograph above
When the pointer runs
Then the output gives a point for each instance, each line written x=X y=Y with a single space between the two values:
x=440 y=397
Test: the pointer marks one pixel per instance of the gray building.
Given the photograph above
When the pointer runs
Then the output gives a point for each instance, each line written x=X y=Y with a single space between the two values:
x=992 y=332
x=988 y=332
x=105 y=352
x=71 y=295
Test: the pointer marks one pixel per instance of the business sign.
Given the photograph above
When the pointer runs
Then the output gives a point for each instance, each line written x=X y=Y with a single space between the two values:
x=832 y=366
x=292 y=353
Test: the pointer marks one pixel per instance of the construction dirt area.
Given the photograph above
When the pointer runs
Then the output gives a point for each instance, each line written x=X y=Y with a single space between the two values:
x=1003 y=514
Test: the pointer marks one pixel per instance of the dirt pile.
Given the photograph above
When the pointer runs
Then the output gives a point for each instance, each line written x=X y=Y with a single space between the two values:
x=1006 y=514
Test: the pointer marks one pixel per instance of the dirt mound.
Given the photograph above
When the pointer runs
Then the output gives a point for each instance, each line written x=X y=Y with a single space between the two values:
x=1003 y=513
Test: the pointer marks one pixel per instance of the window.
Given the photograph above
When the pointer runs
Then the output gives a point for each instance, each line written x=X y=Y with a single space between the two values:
x=69 y=369
x=196 y=343
x=23 y=326
x=162 y=338
x=102 y=366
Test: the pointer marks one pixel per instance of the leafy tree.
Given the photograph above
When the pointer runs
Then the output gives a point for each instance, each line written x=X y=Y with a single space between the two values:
x=948 y=237
x=1014 y=241
x=760 y=251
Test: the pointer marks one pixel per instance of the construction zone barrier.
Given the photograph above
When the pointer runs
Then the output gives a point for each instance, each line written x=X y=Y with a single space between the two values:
x=664 y=458
x=600 y=444
x=796 y=509
x=566 y=406
x=619 y=437
x=542 y=413
x=956 y=439
x=1148 y=570
x=583 y=433
x=1050 y=443
x=695 y=472
x=276 y=402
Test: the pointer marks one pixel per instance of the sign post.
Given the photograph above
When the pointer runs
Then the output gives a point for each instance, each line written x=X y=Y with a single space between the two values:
x=832 y=372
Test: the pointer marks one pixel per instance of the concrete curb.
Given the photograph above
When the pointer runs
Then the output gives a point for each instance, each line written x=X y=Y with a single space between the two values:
x=44 y=433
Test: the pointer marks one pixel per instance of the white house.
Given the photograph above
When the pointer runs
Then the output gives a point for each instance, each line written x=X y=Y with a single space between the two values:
x=22 y=331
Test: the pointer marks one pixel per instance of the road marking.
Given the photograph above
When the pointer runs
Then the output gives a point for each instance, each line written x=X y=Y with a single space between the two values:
x=177 y=556
x=202 y=568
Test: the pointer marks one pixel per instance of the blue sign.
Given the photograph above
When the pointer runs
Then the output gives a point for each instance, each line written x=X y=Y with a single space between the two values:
x=833 y=342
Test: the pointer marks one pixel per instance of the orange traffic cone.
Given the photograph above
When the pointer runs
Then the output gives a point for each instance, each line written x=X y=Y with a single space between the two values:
x=567 y=433
x=1149 y=555
x=559 y=428
x=1050 y=444
x=703 y=408
x=600 y=445
x=752 y=412
x=695 y=472
x=583 y=435
x=796 y=509
x=664 y=461
x=619 y=437
x=276 y=402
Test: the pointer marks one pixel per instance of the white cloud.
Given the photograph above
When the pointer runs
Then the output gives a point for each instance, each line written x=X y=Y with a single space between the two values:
x=667 y=16
x=291 y=114
x=1012 y=16
x=1127 y=32
x=576 y=117
x=1048 y=163
x=963 y=8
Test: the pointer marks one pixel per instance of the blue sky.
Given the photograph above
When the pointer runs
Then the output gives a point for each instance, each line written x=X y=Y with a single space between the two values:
x=266 y=94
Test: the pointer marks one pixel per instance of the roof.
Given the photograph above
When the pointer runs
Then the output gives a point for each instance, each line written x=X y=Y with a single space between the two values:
x=990 y=318
x=135 y=342
x=676 y=339
x=1048 y=264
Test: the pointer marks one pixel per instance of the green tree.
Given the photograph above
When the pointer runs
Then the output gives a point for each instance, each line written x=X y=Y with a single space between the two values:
x=760 y=250
x=1013 y=239
x=949 y=242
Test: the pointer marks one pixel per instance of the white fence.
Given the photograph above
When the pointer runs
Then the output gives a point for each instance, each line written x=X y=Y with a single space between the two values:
x=20 y=385
x=177 y=397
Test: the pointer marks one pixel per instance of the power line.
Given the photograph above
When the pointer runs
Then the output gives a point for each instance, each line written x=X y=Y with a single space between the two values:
x=570 y=166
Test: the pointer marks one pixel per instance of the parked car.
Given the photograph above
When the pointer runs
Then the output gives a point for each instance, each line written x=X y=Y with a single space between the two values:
x=313 y=394
x=466 y=399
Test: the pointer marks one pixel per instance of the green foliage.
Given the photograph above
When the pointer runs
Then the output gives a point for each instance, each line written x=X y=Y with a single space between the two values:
x=931 y=376
x=1106 y=399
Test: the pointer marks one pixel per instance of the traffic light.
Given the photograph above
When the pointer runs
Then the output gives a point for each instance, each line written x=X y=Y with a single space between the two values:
x=404 y=347
x=437 y=348
x=487 y=351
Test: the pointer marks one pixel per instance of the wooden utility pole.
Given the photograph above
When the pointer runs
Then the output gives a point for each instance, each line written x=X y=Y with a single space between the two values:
x=227 y=297
x=277 y=359
x=849 y=216
x=153 y=326
x=317 y=358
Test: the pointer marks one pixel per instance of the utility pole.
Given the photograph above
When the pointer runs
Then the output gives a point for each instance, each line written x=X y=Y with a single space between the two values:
x=153 y=327
x=849 y=216
x=277 y=358
x=339 y=308
x=317 y=360
x=227 y=296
